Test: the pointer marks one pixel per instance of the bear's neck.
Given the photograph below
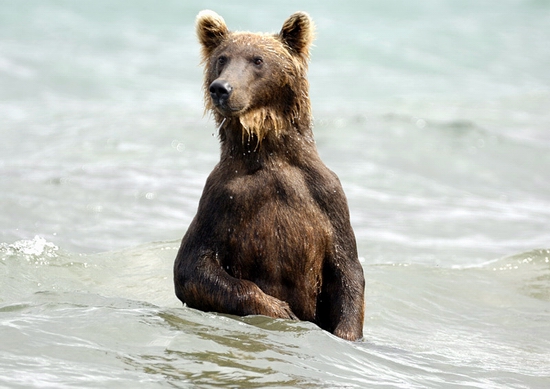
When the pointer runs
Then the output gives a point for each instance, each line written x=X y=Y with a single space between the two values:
x=293 y=144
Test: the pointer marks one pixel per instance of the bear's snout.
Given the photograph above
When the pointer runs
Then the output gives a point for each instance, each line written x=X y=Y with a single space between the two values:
x=220 y=91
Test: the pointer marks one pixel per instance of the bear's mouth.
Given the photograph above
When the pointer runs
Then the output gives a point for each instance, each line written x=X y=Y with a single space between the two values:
x=225 y=109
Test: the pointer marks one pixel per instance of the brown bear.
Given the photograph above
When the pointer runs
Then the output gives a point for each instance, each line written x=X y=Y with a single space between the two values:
x=272 y=234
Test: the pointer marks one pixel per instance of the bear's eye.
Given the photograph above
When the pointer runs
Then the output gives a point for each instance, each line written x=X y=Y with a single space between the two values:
x=222 y=60
x=258 y=61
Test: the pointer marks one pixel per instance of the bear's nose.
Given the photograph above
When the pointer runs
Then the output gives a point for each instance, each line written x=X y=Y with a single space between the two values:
x=220 y=91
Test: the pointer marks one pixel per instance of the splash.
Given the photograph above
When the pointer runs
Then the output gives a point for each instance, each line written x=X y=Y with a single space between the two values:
x=38 y=247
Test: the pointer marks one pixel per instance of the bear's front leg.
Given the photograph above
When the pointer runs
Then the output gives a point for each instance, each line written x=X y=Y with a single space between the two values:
x=204 y=285
x=341 y=307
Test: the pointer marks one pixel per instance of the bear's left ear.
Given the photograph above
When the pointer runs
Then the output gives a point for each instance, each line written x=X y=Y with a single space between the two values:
x=298 y=33
x=211 y=31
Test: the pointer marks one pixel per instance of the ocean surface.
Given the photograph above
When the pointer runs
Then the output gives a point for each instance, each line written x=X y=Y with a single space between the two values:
x=434 y=114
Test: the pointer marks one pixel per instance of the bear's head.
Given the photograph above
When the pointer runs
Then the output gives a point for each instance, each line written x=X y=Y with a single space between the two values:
x=256 y=82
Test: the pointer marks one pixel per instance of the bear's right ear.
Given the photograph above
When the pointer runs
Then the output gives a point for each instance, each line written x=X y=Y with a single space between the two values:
x=211 y=31
x=298 y=33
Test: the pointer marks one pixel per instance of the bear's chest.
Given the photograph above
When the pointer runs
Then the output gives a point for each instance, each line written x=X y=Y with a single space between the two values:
x=277 y=230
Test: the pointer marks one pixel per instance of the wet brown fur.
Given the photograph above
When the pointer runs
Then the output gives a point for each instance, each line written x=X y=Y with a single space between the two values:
x=272 y=234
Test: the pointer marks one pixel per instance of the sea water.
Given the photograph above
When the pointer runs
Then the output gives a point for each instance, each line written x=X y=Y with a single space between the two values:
x=434 y=114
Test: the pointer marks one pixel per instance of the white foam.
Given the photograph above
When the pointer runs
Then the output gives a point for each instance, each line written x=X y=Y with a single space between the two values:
x=38 y=246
